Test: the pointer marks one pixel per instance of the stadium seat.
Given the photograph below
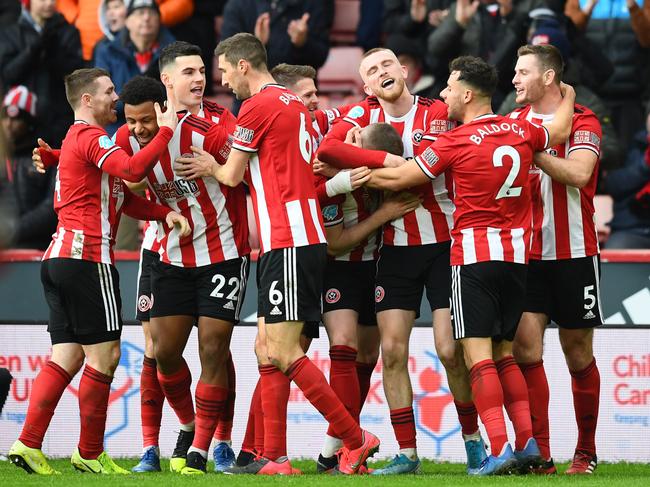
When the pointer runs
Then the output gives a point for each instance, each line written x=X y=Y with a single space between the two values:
x=604 y=211
x=340 y=74
x=346 y=19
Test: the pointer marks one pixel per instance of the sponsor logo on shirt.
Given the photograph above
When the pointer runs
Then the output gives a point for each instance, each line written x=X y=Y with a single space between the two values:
x=177 y=189
x=330 y=212
x=429 y=157
x=105 y=142
x=586 y=137
x=439 y=126
x=355 y=112
x=224 y=151
x=244 y=135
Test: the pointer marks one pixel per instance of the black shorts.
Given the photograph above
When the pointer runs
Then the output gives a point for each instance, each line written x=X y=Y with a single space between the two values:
x=311 y=329
x=214 y=290
x=143 y=303
x=290 y=283
x=487 y=299
x=351 y=285
x=403 y=272
x=84 y=301
x=567 y=291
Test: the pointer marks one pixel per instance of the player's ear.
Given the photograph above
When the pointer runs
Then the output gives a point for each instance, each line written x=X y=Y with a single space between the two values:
x=367 y=90
x=548 y=77
x=405 y=71
x=242 y=66
x=166 y=79
x=86 y=99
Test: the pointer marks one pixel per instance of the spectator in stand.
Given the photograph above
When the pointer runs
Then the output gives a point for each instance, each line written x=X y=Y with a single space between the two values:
x=9 y=11
x=477 y=28
x=135 y=49
x=416 y=20
x=33 y=192
x=607 y=24
x=292 y=31
x=629 y=186
x=83 y=14
x=549 y=31
x=409 y=54
x=37 y=52
x=112 y=18
x=199 y=30
x=369 y=29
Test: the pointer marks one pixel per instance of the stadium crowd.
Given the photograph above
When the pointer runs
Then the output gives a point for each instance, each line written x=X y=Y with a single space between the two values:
x=446 y=94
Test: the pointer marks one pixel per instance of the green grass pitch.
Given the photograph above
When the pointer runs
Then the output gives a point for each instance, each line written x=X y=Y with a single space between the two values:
x=443 y=474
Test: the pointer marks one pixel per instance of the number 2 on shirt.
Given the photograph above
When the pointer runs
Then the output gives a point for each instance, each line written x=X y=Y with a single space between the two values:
x=507 y=191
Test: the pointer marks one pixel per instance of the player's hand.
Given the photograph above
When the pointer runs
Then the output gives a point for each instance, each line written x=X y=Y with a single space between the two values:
x=399 y=204
x=263 y=28
x=298 y=30
x=179 y=221
x=418 y=10
x=167 y=118
x=37 y=161
x=392 y=160
x=324 y=169
x=359 y=176
x=465 y=10
x=437 y=16
x=567 y=90
x=201 y=165
x=353 y=137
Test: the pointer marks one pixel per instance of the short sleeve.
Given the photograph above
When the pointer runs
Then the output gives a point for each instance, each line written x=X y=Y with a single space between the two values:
x=218 y=143
x=332 y=210
x=252 y=125
x=539 y=137
x=96 y=145
x=586 y=133
x=435 y=157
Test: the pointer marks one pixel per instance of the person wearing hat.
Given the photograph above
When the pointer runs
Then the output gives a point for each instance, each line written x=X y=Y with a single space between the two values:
x=33 y=193
x=135 y=49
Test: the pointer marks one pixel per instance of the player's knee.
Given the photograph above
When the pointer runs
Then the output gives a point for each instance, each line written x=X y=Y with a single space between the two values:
x=394 y=354
x=578 y=354
x=167 y=354
x=526 y=350
x=213 y=353
x=344 y=338
x=367 y=356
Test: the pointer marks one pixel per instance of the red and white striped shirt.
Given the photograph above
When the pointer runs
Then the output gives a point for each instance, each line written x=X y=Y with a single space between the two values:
x=275 y=128
x=217 y=213
x=324 y=119
x=350 y=209
x=90 y=197
x=563 y=216
x=216 y=113
x=431 y=221
x=488 y=160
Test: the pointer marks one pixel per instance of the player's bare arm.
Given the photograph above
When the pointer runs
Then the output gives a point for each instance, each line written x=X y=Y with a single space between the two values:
x=560 y=128
x=397 y=178
x=575 y=170
x=341 y=240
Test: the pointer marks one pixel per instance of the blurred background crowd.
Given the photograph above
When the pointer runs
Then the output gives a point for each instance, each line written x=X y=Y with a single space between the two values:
x=605 y=44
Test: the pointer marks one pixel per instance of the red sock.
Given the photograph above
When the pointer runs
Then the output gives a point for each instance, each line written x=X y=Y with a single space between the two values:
x=248 y=444
x=585 y=385
x=403 y=423
x=364 y=375
x=515 y=398
x=467 y=416
x=224 y=426
x=344 y=380
x=94 y=391
x=151 y=403
x=538 y=398
x=259 y=422
x=176 y=387
x=210 y=401
x=488 y=398
x=46 y=392
x=318 y=392
x=275 y=397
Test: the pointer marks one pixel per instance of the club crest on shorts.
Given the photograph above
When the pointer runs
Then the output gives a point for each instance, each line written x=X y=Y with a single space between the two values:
x=332 y=296
x=379 y=294
x=144 y=303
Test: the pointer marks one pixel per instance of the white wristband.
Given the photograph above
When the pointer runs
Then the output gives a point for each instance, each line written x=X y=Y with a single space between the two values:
x=339 y=184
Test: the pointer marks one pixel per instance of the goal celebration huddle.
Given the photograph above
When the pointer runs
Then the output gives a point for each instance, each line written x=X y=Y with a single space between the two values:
x=359 y=210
